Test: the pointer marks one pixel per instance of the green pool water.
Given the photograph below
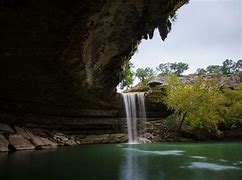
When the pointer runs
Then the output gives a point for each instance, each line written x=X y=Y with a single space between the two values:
x=205 y=161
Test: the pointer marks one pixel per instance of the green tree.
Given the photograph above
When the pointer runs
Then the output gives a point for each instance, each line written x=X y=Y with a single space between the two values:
x=127 y=76
x=196 y=104
x=168 y=68
x=179 y=68
x=228 y=67
x=238 y=66
x=232 y=107
x=164 y=68
x=144 y=73
x=213 y=69
x=201 y=71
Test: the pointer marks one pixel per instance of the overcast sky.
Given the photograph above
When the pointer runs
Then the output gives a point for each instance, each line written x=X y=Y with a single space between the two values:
x=205 y=32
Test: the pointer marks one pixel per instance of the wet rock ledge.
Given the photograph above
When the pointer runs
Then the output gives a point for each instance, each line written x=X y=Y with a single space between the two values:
x=22 y=138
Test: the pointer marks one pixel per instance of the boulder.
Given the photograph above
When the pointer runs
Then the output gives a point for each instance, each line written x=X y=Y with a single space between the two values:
x=6 y=128
x=143 y=140
x=70 y=142
x=3 y=144
x=60 y=138
x=148 y=136
x=19 y=143
x=154 y=83
x=36 y=140
x=22 y=132
x=48 y=143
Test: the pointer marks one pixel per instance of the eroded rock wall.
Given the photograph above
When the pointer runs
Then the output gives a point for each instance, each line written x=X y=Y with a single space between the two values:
x=60 y=61
x=67 y=53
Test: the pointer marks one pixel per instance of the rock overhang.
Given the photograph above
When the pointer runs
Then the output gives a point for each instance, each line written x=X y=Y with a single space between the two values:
x=63 y=54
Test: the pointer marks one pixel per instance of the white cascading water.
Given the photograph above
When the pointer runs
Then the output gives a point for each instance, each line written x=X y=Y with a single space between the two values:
x=133 y=118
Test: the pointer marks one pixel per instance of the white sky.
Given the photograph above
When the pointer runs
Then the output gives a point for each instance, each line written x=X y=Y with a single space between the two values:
x=205 y=32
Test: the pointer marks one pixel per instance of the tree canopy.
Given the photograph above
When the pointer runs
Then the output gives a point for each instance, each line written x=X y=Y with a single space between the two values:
x=196 y=104
x=213 y=69
x=178 y=68
x=231 y=110
x=201 y=71
x=228 y=67
x=144 y=73
x=168 y=68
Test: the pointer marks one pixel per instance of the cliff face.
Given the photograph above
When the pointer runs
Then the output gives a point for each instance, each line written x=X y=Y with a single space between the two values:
x=61 y=56
x=60 y=62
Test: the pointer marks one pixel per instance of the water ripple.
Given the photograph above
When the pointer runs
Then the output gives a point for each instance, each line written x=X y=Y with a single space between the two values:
x=198 y=157
x=168 y=152
x=211 y=166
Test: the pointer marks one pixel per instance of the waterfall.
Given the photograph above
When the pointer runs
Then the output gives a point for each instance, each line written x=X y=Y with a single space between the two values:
x=133 y=118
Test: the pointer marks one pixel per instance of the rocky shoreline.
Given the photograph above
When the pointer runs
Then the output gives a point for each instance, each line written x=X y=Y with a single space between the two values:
x=16 y=138
x=21 y=138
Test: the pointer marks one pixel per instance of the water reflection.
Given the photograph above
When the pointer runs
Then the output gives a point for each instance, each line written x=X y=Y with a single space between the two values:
x=142 y=164
x=134 y=166
x=145 y=163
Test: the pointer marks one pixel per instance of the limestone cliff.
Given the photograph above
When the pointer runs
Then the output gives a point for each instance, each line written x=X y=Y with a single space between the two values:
x=58 y=56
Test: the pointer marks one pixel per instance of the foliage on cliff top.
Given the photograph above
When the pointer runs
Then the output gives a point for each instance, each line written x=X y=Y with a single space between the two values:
x=196 y=104
x=203 y=105
x=232 y=108
x=172 y=68
x=144 y=74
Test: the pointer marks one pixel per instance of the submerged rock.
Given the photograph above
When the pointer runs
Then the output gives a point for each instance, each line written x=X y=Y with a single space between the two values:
x=3 y=144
